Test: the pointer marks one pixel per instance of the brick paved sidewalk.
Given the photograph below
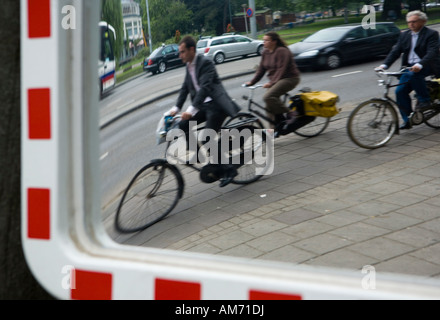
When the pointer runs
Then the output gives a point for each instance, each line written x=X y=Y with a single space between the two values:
x=328 y=203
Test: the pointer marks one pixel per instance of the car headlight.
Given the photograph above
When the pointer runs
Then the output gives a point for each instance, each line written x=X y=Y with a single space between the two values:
x=310 y=53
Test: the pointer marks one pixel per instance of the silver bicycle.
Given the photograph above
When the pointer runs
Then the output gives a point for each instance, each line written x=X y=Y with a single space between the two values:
x=373 y=123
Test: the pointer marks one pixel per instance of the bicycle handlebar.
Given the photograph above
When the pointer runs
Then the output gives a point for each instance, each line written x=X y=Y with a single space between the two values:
x=244 y=85
x=393 y=73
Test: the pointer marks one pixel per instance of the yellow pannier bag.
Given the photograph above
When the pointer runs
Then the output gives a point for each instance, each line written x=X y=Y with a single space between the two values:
x=320 y=103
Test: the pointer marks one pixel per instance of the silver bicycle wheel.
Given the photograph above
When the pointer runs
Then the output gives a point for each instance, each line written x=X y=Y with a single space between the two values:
x=151 y=195
x=372 y=124
x=313 y=128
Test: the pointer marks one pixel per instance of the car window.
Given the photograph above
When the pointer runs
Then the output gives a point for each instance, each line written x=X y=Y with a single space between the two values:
x=380 y=29
x=357 y=33
x=229 y=40
x=167 y=50
x=217 y=42
x=156 y=52
x=242 y=39
x=327 y=35
x=202 y=44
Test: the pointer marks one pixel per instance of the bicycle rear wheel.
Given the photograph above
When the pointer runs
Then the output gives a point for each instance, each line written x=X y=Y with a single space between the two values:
x=433 y=118
x=251 y=149
x=151 y=195
x=372 y=124
x=313 y=128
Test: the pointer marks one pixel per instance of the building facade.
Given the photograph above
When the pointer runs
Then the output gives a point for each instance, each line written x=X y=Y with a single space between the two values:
x=133 y=35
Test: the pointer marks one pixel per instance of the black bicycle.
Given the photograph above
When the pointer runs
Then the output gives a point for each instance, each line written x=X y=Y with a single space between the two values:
x=373 y=123
x=305 y=126
x=155 y=189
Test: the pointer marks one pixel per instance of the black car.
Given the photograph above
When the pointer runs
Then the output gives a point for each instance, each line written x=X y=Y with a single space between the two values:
x=162 y=59
x=331 y=47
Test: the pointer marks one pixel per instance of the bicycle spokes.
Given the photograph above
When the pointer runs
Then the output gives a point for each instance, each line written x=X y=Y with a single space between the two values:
x=372 y=124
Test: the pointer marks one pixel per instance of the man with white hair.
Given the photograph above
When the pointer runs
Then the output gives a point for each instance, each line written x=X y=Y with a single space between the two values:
x=420 y=48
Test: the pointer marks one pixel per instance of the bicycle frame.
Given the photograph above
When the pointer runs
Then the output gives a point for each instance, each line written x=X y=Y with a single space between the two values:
x=428 y=114
x=201 y=126
x=387 y=86
x=252 y=102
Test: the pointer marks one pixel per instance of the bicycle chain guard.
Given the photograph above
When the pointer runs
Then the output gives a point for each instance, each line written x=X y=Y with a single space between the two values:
x=210 y=173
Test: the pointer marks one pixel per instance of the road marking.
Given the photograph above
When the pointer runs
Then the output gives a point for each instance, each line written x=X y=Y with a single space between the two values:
x=126 y=104
x=114 y=102
x=174 y=77
x=103 y=156
x=346 y=74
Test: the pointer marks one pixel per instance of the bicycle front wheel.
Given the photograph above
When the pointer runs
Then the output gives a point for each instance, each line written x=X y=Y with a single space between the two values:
x=151 y=195
x=372 y=124
x=312 y=128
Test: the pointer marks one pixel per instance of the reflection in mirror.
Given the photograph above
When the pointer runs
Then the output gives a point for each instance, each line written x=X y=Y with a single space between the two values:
x=322 y=205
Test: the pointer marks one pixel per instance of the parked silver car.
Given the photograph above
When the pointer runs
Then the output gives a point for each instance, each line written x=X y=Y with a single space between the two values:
x=225 y=47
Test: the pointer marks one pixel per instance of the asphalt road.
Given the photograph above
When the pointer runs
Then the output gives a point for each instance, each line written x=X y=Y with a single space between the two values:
x=130 y=113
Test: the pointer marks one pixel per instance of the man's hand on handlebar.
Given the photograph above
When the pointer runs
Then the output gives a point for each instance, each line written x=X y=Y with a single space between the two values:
x=186 y=115
x=249 y=84
x=415 y=68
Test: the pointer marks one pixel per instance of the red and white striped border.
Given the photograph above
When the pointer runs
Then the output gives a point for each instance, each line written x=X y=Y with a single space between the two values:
x=46 y=231
x=40 y=150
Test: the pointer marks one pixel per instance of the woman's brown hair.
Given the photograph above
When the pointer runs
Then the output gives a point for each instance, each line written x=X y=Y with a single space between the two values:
x=276 y=37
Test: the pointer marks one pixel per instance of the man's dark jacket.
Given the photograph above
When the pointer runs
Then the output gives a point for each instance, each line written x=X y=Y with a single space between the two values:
x=210 y=86
x=427 y=48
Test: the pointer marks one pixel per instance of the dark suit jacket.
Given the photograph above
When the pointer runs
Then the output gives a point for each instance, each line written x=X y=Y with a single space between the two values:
x=210 y=86
x=427 y=48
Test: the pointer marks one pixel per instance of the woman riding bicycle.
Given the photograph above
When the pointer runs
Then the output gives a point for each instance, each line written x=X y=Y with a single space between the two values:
x=283 y=73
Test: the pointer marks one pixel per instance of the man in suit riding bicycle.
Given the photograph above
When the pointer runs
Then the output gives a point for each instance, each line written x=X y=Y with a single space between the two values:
x=210 y=101
x=420 y=48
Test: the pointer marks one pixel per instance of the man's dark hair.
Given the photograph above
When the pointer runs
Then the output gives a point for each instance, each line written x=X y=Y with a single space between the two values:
x=188 y=41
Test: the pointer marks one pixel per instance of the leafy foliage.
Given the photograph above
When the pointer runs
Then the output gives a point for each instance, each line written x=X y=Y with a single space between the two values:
x=111 y=12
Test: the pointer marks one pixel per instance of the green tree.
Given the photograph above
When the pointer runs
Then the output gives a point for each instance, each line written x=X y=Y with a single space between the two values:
x=392 y=9
x=276 y=5
x=111 y=12
x=166 y=17
x=415 y=5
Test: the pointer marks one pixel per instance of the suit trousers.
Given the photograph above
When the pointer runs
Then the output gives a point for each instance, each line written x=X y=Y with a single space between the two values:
x=410 y=81
x=212 y=116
